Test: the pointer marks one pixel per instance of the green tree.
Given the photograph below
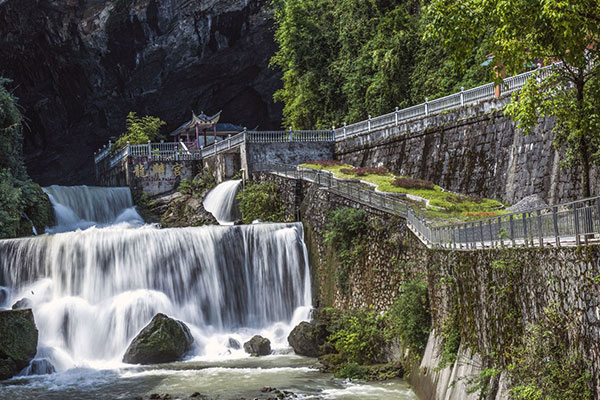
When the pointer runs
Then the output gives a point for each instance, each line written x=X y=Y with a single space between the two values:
x=140 y=130
x=18 y=194
x=261 y=201
x=530 y=30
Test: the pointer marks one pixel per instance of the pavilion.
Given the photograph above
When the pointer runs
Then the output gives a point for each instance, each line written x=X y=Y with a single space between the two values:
x=201 y=128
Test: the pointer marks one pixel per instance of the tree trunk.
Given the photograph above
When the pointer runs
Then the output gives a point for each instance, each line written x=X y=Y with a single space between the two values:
x=584 y=157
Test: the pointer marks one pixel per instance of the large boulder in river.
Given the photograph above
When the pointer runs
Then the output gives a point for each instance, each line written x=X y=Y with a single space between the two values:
x=18 y=341
x=258 y=346
x=163 y=340
x=307 y=338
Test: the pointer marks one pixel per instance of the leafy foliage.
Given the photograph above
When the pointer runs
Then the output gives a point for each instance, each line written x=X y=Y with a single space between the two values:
x=527 y=32
x=345 y=230
x=343 y=60
x=546 y=367
x=410 y=317
x=140 y=130
x=199 y=185
x=18 y=194
x=262 y=201
x=359 y=337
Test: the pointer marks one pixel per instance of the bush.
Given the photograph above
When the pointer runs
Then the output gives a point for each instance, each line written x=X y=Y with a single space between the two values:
x=199 y=185
x=410 y=318
x=365 y=171
x=18 y=194
x=345 y=229
x=263 y=202
x=325 y=163
x=359 y=336
x=352 y=370
x=410 y=183
x=140 y=130
x=545 y=366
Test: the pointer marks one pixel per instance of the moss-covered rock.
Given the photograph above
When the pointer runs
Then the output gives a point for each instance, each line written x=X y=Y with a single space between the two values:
x=258 y=346
x=18 y=341
x=163 y=340
x=308 y=338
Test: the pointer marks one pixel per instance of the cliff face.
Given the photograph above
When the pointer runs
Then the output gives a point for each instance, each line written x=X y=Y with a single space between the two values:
x=79 y=66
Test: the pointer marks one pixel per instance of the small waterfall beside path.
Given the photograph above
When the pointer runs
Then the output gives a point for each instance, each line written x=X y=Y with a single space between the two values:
x=221 y=202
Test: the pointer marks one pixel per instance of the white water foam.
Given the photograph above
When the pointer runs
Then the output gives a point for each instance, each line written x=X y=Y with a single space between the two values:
x=92 y=291
x=221 y=202
x=81 y=207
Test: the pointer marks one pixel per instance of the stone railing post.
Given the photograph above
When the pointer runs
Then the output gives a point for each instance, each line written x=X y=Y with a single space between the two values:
x=344 y=129
x=149 y=150
x=369 y=124
x=396 y=115
x=426 y=106
x=291 y=135
x=229 y=141
x=462 y=96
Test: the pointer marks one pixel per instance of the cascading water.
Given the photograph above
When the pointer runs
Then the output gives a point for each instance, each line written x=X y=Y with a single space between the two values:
x=87 y=286
x=80 y=207
x=221 y=202
x=96 y=285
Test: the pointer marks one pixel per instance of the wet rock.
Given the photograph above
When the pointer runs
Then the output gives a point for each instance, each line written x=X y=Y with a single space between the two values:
x=22 y=304
x=307 y=338
x=163 y=340
x=41 y=366
x=18 y=341
x=258 y=346
x=234 y=344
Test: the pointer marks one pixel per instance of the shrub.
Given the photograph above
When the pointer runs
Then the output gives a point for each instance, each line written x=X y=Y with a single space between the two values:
x=200 y=184
x=359 y=336
x=352 y=370
x=545 y=366
x=263 y=202
x=345 y=229
x=140 y=130
x=325 y=163
x=410 y=183
x=409 y=317
x=365 y=171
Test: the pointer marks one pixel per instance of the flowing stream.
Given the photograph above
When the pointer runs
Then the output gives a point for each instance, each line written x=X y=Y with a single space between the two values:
x=221 y=202
x=96 y=282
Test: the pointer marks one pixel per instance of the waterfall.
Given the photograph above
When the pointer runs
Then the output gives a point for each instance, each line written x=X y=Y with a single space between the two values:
x=93 y=290
x=221 y=203
x=80 y=207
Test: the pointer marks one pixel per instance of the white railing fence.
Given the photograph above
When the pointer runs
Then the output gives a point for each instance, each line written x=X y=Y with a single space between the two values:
x=464 y=97
x=568 y=224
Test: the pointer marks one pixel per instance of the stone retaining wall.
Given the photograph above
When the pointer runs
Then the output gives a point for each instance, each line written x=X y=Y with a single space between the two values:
x=473 y=150
x=495 y=294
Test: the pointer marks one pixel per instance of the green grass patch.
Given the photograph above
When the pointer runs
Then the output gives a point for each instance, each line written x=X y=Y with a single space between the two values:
x=442 y=205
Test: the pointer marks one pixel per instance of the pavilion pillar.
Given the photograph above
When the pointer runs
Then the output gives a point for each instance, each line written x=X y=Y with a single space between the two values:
x=197 y=138
x=215 y=132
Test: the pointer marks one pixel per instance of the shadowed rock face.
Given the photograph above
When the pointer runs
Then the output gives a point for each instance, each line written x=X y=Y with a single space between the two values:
x=78 y=68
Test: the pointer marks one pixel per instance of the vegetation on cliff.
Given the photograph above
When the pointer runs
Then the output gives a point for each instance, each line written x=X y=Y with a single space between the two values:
x=20 y=198
x=140 y=130
x=261 y=201
x=343 y=60
x=440 y=203
x=530 y=32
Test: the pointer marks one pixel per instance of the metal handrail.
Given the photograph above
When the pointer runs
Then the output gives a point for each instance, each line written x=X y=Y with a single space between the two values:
x=566 y=224
x=452 y=101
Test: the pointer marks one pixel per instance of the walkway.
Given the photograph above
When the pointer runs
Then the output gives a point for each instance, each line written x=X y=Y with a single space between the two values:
x=568 y=224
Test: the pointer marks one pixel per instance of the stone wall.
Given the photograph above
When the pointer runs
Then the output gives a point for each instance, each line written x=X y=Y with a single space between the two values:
x=145 y=176
x=294 y=153
x=223 y=165
x=474 y=150
x=392 y=255
x=493 y=294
